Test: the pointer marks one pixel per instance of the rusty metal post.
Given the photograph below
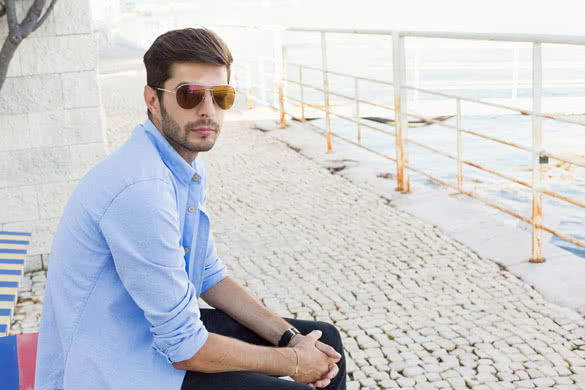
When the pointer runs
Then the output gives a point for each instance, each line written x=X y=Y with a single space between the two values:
x=536 y=150
x=249 y=87
x=326 y=89
x=400 y=110
x=278 y=38
x=459 y=149
x=357 y=109
x=302 y=93
x=281 y=89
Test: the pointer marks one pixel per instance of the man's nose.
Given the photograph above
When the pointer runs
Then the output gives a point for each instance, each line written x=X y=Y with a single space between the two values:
x=207 y=107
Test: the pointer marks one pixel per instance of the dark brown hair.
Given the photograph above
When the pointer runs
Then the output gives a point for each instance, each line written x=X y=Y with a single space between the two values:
x=198 y=45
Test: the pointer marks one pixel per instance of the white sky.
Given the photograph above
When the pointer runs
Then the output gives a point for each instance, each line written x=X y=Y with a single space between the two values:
x=526 y=16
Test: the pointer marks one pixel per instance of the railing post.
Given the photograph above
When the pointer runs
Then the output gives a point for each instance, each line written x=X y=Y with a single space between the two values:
x=302 y=93
x=459 y=149
x=326 y=89
x=278 y=38
x=357 y=109
x=400 y=110
x=281 y=89
x=536 y=150
x=249 y=87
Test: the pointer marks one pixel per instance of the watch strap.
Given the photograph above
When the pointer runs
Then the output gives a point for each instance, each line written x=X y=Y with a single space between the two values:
x=287 y=336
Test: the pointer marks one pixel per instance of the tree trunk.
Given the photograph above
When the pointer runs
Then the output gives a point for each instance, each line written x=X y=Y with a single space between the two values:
x=19 y=31
x=6 y=54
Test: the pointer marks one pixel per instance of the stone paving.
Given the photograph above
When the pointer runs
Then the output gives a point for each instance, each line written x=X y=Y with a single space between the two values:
x=417 y=309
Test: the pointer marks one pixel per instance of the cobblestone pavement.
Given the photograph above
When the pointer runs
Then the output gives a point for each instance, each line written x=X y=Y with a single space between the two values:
x=417 y=310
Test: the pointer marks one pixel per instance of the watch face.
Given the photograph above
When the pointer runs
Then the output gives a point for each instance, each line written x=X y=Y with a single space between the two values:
x=295 y=331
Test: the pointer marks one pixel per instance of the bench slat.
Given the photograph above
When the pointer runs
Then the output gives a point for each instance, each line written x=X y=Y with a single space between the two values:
x=19 y=256
x=13 y=249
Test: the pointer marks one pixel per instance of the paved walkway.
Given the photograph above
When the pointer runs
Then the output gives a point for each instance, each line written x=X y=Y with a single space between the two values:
x=417 y=309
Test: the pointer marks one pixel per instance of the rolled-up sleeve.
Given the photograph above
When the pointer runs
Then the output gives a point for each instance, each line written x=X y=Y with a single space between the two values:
x=141 y=227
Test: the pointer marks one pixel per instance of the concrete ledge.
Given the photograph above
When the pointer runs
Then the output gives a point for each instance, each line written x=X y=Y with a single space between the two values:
x=74 y=96
x=19 y=204
x=14 y=132
x=492 y=236
x=53 y=197
x=15 y=97
x=56 y=54
x=56 y=134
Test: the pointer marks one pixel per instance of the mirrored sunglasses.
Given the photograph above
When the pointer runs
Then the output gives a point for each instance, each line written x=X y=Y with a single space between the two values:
x=191 y=95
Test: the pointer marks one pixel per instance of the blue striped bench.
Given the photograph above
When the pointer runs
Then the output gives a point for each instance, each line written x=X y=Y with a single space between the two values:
x=13 y=247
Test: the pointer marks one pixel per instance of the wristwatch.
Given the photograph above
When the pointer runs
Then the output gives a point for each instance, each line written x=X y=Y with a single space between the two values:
x=287 y=336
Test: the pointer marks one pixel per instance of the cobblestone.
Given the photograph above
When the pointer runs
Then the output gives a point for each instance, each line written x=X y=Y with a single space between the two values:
x=416 y=309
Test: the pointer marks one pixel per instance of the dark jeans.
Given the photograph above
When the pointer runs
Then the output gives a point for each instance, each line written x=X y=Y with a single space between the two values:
x=218 y=322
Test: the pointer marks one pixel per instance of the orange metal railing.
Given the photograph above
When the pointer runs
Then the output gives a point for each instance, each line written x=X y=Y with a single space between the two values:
x=402 y=113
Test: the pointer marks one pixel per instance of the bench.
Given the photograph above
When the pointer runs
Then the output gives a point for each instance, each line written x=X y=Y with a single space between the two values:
x=17 y=353
x=13 y=247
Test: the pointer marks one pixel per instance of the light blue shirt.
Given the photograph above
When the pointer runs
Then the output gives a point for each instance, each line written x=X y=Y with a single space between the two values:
x=132 y=254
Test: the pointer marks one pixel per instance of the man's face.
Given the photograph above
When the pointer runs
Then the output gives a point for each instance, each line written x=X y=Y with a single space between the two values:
x=193 y=130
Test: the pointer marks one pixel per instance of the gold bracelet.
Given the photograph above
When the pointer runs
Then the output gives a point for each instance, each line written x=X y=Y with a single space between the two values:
x=297 y=367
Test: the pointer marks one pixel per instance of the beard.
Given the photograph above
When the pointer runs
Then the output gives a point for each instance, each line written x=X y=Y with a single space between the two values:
x=185 y=138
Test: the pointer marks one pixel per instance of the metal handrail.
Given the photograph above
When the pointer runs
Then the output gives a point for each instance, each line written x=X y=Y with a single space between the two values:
x=402 y=113
x=440 y=94
x=419 y=116
x=497 y=37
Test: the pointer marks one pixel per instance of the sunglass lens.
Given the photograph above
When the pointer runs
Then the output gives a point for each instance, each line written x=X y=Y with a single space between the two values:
x=189 y=96
x=224 y=96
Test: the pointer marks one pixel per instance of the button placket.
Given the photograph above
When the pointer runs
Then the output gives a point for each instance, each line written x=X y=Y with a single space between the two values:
x=202 y=239
x=192 y=224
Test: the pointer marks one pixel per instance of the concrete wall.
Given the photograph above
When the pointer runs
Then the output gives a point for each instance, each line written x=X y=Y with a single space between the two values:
x=51 y=122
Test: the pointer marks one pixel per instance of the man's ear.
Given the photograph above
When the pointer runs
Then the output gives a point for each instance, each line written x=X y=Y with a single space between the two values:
x=152 y=102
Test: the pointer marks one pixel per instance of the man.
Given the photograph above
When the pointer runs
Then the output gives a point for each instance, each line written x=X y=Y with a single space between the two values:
x=134 y=252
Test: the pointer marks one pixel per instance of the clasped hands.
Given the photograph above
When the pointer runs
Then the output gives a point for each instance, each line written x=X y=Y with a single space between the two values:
x=317 y=361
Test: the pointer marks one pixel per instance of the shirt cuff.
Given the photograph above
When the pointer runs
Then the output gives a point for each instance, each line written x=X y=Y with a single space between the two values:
x=213 y=280
x=188 y=347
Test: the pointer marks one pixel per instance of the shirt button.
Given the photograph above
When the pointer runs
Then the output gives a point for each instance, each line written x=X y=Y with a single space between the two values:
x=186 y=250
x=195 y=177
x=191 y=209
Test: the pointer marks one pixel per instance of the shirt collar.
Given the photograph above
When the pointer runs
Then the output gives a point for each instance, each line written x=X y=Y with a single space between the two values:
x=178 y=166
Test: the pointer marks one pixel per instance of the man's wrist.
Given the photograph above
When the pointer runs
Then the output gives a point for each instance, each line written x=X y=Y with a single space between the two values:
x=287 y=337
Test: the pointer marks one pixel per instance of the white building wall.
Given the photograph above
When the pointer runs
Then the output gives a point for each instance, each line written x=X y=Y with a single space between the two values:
x=51 y=122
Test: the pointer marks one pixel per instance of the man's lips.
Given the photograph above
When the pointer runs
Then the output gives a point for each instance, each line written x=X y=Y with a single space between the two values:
x=203 y=131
